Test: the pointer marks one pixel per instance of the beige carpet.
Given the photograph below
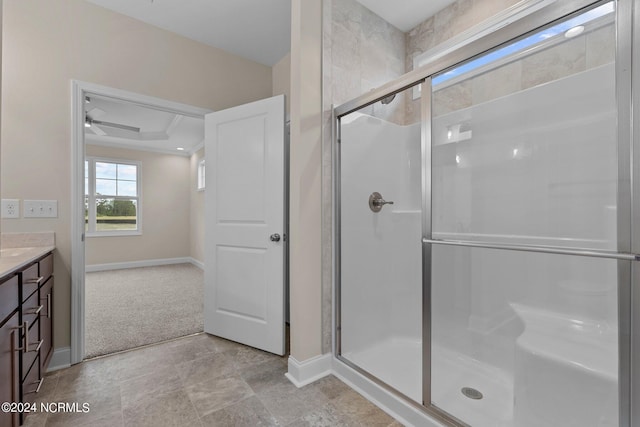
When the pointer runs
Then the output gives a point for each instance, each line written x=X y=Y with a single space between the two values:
x=132 y=307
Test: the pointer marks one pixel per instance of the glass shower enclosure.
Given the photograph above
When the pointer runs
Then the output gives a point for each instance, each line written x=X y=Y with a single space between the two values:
x=483 y=262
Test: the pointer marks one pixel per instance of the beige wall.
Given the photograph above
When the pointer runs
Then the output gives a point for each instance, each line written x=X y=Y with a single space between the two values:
x=48 y=43
x=305 y=179
x=196 y=229
x=165 y=206
x=281 y=80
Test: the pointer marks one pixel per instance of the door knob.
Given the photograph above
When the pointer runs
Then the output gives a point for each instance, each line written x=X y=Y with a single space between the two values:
x=274 y=237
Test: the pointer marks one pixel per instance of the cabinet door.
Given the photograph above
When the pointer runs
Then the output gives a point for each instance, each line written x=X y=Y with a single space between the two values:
x=31 y=310
x=46 y=324
x=9 y=368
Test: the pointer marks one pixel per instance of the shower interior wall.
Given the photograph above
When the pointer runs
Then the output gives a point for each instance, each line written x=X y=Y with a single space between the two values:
x=381 y=251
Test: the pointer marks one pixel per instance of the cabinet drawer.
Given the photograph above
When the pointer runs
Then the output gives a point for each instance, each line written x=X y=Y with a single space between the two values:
x=31 y=309
x=46 y=324
x=33 y=349
x=31 y=384
x=8 y=297
x=30 y=281
x=46 y=267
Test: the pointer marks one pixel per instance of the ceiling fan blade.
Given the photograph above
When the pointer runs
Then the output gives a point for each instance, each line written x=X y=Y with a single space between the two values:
x=116 y=125
x=95 y=129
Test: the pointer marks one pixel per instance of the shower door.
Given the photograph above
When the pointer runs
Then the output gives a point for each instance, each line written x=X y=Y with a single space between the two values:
x=380 y=296
x=496 y=290
x=524 y=252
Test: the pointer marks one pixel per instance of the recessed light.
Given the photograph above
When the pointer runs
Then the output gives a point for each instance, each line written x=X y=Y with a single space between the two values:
x=180 y=149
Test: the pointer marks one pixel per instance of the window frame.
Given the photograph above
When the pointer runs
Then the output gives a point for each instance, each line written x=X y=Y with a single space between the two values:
x=90 y=193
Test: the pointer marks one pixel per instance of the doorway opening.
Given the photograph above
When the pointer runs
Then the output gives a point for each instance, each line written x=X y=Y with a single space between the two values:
x=136 y=210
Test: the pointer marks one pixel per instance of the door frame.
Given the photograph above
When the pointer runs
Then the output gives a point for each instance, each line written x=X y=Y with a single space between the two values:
x=79 y=90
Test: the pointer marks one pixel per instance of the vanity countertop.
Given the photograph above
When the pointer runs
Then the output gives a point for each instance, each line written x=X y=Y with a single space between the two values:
x=20 y=249
x=12 y=259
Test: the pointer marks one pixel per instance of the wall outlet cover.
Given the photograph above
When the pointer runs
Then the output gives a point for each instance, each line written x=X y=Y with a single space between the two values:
x=10 y=208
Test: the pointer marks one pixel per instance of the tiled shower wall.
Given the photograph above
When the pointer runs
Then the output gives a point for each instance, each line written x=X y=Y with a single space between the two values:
x=361 y=51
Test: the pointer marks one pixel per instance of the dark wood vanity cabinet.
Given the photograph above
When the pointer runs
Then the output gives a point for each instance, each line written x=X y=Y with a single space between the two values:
x=26 y=334
x=9 y=364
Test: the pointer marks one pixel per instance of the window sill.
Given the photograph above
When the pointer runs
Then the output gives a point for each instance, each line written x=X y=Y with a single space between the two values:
x=113 y=233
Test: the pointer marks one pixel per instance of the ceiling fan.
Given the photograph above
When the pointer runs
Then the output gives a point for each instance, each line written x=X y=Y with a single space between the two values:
x=118 y=130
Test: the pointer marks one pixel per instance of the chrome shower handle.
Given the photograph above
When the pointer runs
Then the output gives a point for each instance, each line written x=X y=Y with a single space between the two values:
x=376 y=202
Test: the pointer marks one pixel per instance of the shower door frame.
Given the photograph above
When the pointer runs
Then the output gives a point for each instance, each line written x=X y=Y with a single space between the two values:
x=627 y=64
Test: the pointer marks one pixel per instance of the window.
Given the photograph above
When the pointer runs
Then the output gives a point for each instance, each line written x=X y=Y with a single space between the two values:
x=200 y=175
x=112 y=197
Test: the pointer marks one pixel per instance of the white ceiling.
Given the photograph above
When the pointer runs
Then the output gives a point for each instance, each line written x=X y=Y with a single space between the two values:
x=259 y=30
x=405 y=14
x=159 y=131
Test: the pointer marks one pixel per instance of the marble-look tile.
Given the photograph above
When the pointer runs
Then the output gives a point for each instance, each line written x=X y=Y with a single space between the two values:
x=331 y=387
x=244 y=357
x=347 y=13
x=327 y=416
x=361 y=410
x=453 y=20
x=101 y=400
x=496 y=83
x=554 y=63
x=149 y=386
x=265 y=375
x=205 y=368
x=601 y=46
x=420 y=38
x=93 y=419
x=452 y=98
x=201 y=345
x=144 y=361
x=286 y=404
x=38 y=419
x=345 y=48
x=169 y=409
x=213 y=395
x=249 y=412
x=345 y=85
x=220 y=344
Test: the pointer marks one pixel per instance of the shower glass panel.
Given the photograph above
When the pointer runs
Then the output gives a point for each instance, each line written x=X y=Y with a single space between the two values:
x=524 y=153
x=380 y=249
x=524 y=140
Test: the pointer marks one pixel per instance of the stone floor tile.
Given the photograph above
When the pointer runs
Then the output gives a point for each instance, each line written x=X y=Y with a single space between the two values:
x=208 y=367
x=265 y=375
x=249 y=412
x=166 y=410
x=210 y=396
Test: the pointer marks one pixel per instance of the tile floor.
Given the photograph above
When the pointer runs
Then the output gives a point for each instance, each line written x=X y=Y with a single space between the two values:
x=199 y=381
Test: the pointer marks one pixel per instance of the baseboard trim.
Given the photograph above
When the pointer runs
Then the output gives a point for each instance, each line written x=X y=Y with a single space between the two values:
x=310 y=370
x=143 y=263
x=60 y=359
x=197 y=263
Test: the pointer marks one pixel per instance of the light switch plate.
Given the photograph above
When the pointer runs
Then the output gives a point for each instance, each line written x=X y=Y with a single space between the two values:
x=10 y=208
x=40 y=208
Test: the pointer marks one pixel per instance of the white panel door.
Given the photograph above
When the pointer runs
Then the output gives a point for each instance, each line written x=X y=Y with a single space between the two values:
x=244 y=217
